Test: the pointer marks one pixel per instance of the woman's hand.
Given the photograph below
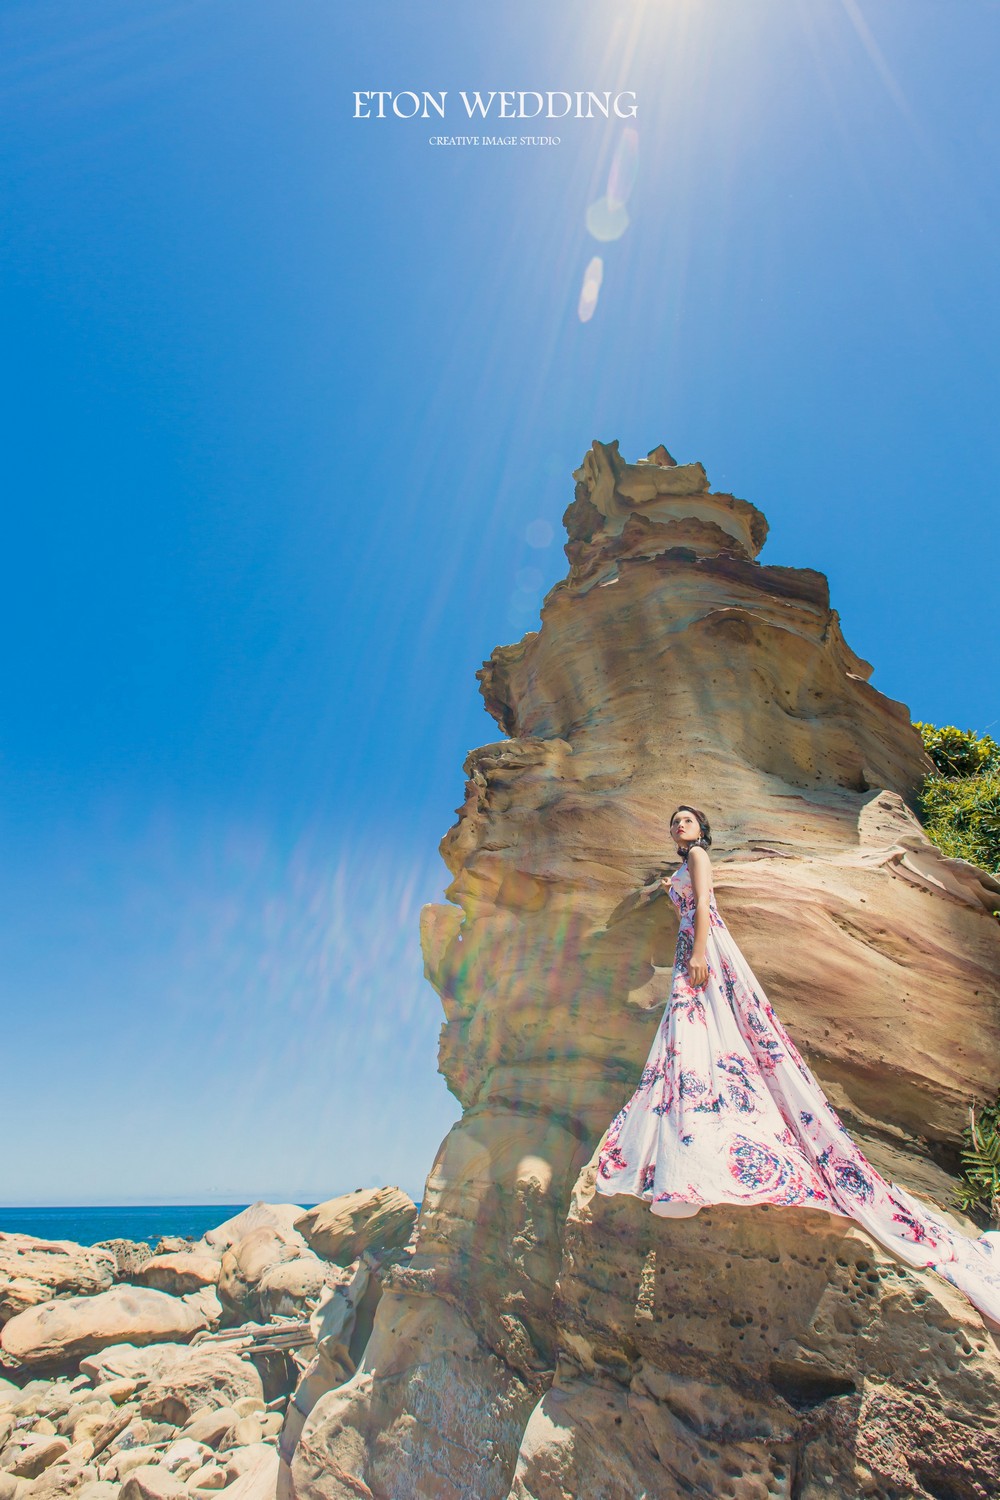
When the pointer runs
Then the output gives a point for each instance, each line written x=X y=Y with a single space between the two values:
x=698 y=970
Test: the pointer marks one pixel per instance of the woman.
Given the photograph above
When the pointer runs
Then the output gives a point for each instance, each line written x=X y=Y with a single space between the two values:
x=726 y=1111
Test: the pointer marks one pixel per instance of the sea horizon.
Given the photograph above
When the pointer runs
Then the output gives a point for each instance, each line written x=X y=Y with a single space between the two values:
x=91 y=1224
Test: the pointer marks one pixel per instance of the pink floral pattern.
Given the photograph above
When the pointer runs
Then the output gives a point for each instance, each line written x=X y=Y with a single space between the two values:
x=726 y=1111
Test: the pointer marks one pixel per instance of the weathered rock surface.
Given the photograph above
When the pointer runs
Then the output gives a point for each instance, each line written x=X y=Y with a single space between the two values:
x=29 y=1453
x=130 y=1256
x=34 y=1271
x=179 y=1273
x=257 y=1216
x=152 y=1482
x=246 y=1263
x=367 y=1219
x=177 y=1381
x=545 y=1344
x=293 y=1288
x=202 y=1376
x=209 y=1425
x=258 y=1475
x=56 y=1332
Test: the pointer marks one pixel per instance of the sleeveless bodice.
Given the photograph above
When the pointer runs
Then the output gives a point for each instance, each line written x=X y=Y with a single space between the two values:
x=681 y=892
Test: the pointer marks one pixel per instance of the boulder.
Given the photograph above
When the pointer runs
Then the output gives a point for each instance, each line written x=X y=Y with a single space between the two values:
x=185 y=1456
x=209 y=1425
x=245 y=1430
x=32 y=1454
x=66 y=1477
x=249 y=1406
x=178 y=1273
x=293 y=1288
x=127 y=1362
x=59 y=1331
x=245 y=1263
x=204 y=1375
x=210 y=1477
x=62 y=1481
x=97 y=1489
x=258 y=1215
x=51 y=1400
x=33 y=1271
x=174 y=1244
x=256 y=1473
x=152 y=1482
x=118 y=1392
x=130 y=1256
x=240 y=1461
x=368 y=1219
x=89 y=1423
x=121 y=1464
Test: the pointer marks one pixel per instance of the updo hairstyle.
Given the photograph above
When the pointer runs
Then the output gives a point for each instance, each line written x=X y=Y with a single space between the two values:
x=705 y=842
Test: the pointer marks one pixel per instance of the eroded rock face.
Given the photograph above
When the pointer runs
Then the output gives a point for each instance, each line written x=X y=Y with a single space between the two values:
x=543 y=1343
x=179 y=1273
x=34 y=1271
x=367 y=1219
x=246 y=1263
x=55 y=1333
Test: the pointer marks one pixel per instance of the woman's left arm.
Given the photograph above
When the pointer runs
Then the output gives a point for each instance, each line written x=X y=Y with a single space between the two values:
x=700 y=867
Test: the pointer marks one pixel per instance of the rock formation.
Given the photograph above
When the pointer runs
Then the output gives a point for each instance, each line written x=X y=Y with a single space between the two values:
x=546 y=1344
x=132 y=1391
x=34 y=1270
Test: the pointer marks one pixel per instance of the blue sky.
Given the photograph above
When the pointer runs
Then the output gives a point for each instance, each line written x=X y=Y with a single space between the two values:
x=286 y=397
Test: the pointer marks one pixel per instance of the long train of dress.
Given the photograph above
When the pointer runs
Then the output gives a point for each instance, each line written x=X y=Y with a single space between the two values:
x=726 y=1111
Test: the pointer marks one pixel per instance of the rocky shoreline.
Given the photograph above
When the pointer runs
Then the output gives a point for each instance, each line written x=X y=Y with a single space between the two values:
x=175 y=1371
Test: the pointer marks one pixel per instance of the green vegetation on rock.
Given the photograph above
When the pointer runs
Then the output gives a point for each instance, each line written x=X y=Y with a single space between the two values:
x=979 y=1185
x=960 y=801
x=960 y=806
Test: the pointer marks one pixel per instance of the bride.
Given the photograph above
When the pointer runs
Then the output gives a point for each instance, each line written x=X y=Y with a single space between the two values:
x=726 y=1111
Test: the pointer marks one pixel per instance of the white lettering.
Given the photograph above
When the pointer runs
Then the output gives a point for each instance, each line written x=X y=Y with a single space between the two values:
x=628 y=113
x=592 y=100
x=477 y=106
x=402 y=114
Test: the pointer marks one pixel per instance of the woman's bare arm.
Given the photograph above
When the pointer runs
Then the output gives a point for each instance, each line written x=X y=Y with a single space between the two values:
x=700 y=867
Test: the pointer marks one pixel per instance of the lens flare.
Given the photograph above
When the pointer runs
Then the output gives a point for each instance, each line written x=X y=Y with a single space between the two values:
x=607 y=221
x=589 y=292
x=539 y=534
x=625 y=165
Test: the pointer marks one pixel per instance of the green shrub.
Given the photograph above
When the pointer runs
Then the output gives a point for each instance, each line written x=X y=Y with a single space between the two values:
x=960 y=801
x=959 y=752
x=979 y=1185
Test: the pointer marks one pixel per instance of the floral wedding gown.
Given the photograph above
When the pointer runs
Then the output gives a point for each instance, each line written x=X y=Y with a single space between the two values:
x=726 y=1111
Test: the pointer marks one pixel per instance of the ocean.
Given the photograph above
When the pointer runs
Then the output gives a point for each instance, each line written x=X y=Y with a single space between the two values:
x=86 y=1226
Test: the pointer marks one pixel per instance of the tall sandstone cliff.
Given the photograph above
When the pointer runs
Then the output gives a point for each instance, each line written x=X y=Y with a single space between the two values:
x=547 y=1344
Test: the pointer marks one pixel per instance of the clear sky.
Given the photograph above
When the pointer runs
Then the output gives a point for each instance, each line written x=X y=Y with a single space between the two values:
x=291 y=403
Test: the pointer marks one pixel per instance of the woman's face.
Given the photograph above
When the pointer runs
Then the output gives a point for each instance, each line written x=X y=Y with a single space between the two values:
x=684 y=827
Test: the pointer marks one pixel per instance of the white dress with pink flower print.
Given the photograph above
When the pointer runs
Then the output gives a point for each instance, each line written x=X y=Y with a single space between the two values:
x=726 y=1111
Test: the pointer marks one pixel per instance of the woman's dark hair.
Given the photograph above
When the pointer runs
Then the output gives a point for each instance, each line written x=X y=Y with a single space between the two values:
x=706 y=828
x=701 y=843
